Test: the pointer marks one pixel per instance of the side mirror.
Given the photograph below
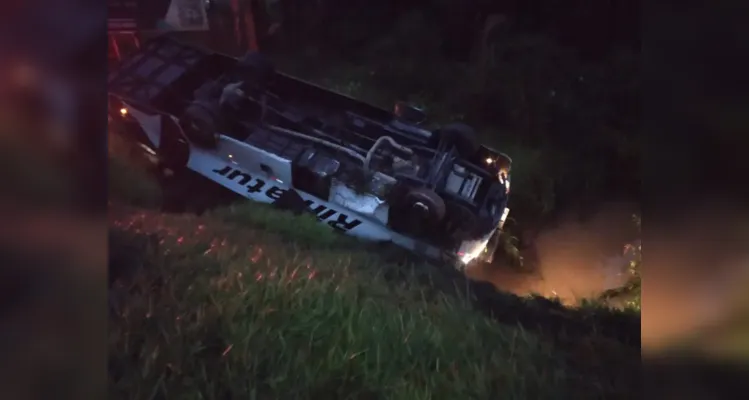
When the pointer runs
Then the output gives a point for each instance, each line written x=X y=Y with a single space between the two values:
x=409 y=113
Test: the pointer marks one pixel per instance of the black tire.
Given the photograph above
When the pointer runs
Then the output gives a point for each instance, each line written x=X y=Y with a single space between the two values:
x=462 y=137
x=200 y=126
x=427 y=203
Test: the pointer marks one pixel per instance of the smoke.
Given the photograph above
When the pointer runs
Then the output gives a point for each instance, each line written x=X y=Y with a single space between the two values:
x=695 y=276
x=573 y=260
x=695 y=273
x=582 y=259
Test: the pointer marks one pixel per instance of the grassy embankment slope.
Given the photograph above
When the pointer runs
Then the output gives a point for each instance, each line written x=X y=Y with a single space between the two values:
x=249 y=302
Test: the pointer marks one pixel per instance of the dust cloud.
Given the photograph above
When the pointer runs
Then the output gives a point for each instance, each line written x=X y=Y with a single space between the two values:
x=695 y=275
x=573 y=260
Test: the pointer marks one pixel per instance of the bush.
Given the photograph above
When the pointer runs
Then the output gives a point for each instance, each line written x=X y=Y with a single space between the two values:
x=632 y=290
x=635 y=266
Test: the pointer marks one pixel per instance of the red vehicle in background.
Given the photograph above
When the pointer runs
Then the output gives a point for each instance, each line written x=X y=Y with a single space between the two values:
x=227 y=26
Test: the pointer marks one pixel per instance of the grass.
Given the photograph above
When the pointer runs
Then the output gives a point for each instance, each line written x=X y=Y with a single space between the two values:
x=223 y=329
x=205 y=309
x=303 y=229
